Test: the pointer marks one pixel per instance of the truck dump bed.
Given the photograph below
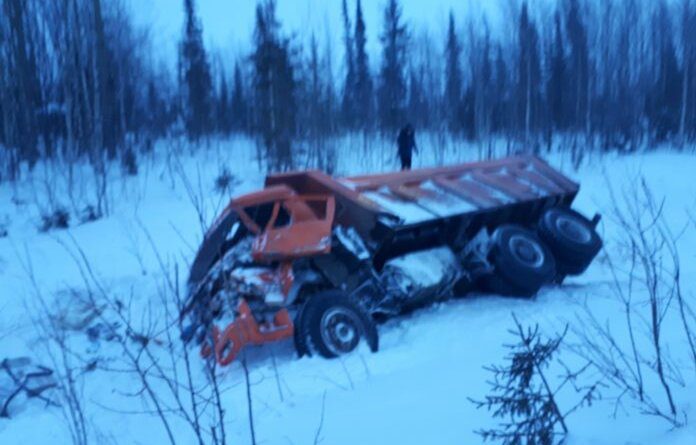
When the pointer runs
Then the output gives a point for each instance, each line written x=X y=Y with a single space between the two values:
x=419 y=196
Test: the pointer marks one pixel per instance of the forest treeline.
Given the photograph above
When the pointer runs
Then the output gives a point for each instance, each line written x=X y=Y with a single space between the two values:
x=79 y=80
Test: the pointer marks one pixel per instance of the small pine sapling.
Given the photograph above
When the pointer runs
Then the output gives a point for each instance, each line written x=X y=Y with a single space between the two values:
x=225 y=181
x=4 y=224
x=89 y=214
x=522 y=394
x=129 y=162
x=57 y=219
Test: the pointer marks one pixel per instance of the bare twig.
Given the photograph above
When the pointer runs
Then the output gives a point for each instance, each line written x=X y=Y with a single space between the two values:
x=252 y=430
x=317 y=436
x=654 y=274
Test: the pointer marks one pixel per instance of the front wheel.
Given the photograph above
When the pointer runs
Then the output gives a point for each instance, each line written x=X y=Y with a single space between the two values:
x=333 y=325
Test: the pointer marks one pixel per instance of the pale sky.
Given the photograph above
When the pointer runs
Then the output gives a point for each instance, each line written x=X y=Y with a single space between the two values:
x=228 y=24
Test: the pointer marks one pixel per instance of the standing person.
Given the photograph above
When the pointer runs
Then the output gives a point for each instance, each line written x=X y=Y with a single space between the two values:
x=406 y=142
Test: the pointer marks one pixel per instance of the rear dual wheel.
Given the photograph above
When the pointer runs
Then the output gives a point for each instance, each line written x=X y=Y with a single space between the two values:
x=572 y=239
x=522 y=263
x=565 y=244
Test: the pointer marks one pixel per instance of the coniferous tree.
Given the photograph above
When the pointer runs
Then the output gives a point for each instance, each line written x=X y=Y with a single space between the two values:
x=3 y=113
x=392 y=88
x=316 y=109
x=687 y=113
x=75 y=76
x=525 y=398
x=274 y=87
x=578 y=81
x=529 y=74
x=453 y=79
x=196 y=77
x=107 y=131
x=557 y=83
x=239 y=106
x=156 y=108
x=664 y=102
x=24 y=92
x=500 y=114
x=224 y=114
x=483 y=78
x=364 y=90
x=332 y=101
x=629 y=97
x=348 y=106
x=469 y=113
x=417 y=103
x=314 y=94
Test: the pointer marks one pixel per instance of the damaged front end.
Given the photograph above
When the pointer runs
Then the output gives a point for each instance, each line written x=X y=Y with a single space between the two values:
x=242 y=280
x=238 y=303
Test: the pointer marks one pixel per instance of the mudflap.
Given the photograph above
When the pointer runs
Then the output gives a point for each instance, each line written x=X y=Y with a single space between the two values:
x=300 y=342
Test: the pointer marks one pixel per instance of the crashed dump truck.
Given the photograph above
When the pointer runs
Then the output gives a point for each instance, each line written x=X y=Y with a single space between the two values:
x=323 y=260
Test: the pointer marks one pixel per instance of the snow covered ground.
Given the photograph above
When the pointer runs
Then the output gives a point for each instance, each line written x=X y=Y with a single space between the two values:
x=414 y=391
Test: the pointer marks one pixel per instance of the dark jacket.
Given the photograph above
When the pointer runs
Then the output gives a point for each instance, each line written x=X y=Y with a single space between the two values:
x=406 y=142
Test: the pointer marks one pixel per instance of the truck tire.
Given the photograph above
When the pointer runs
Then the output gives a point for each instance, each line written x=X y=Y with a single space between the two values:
x=332 y=325
x=572 y=239
x=522 y=263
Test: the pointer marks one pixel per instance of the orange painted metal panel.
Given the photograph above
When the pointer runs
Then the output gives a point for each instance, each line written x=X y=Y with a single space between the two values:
x=306 y=234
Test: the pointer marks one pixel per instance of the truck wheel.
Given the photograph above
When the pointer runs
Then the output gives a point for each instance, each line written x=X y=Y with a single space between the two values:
x=333 y=325
x=572 y=239
x=521 y=260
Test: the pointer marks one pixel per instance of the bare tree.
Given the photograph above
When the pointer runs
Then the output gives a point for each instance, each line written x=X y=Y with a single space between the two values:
x=647 y=291
x=150 y=352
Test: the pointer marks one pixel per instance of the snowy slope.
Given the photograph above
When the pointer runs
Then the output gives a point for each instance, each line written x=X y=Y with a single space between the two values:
x=413 y=391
